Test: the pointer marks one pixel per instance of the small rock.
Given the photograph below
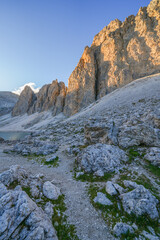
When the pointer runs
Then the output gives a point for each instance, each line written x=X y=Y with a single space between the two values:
x=78 y=174
x=130 y=184
x=119 y=188
x=122 y=228
x=1 y=140
x=99 y=173
x=51 y=159
x=49 y=209
x=110 y=189
x=51 y=191
x=102 y=199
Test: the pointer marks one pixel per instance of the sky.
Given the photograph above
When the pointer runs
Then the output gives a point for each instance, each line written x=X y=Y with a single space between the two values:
x=43 y=40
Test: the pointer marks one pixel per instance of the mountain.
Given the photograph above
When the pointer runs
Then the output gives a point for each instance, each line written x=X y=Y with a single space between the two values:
x=7 y=102
x=119 y=54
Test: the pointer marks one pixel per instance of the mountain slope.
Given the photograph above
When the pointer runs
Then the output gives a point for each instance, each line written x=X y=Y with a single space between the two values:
x=141 y=94
x=7 y=102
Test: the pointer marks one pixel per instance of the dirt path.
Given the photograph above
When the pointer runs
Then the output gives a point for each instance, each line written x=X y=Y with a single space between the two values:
x=80 y=212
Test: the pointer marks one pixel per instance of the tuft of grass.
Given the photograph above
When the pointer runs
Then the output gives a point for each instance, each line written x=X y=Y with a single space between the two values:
x=88 y=177
x=13 y=185
x=153 y=169
x=53 y=163
x=132 y=154
x=115 y=213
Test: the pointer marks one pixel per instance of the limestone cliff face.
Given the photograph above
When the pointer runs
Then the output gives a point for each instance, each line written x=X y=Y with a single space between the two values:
x=50 y=97
x=119 y=54
x=25 y=102
x=81 y=84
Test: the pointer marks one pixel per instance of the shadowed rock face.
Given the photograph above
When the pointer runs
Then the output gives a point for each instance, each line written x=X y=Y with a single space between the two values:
x=50 y=97
x=119 y=54
x=25 y=101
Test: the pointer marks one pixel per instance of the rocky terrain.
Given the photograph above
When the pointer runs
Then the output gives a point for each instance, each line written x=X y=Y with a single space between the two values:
x=96 y=174
x=104 y=160
x=120 y=53
x=7 y=102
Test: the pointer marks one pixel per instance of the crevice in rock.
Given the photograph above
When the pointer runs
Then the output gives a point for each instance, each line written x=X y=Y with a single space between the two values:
x=97 y=72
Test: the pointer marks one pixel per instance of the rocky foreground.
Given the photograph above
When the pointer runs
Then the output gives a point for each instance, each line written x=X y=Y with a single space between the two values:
x=93 y=176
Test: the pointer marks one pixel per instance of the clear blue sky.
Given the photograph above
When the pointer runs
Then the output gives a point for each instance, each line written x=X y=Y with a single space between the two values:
x=41 y=40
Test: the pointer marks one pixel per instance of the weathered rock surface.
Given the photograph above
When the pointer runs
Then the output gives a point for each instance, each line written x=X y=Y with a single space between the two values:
x=102 y=199
x=50 y=97
x=153 y=155
x=137 y=132
x=25 y=102
x=7 y=102
x=110 y=189
x=120 y=53
x=139 y=129
x=122 y=228
x=51 y=191
x=20 y=217
x=100 y=131
x=37 y=148
x=102 y=157
x=140 y=201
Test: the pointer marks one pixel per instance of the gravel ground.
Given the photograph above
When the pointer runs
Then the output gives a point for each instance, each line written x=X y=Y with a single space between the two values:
x=80 y=212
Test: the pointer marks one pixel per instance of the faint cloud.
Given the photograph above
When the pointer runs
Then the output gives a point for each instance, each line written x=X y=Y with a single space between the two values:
x=31 y=85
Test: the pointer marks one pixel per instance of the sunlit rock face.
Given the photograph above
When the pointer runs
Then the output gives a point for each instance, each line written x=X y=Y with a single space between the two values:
x=119 y=54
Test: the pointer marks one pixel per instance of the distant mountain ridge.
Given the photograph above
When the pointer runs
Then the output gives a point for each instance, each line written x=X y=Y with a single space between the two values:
x=7 y=102
x=119 y=54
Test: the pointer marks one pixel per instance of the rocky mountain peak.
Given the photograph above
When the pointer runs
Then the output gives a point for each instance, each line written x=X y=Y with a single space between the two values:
x=119 y=54
x=153 y=6
x=25 y=102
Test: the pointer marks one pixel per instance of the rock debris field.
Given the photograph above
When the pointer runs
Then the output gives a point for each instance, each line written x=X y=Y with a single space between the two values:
x=95 y=175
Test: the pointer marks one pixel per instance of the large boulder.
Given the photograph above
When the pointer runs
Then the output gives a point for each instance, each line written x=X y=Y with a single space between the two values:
x=99 y=131
x=106 y=158
x=137 y=132
x=21 y=218
x=140 y=201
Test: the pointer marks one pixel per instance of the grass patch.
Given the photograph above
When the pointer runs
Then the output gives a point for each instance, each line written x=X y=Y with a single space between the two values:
x=64 y=230
x=88 y=177
x=53 y=163
x=153 y=169
x=115 y=213
x=42 y=160
x=13 y=185
x=132 y=154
